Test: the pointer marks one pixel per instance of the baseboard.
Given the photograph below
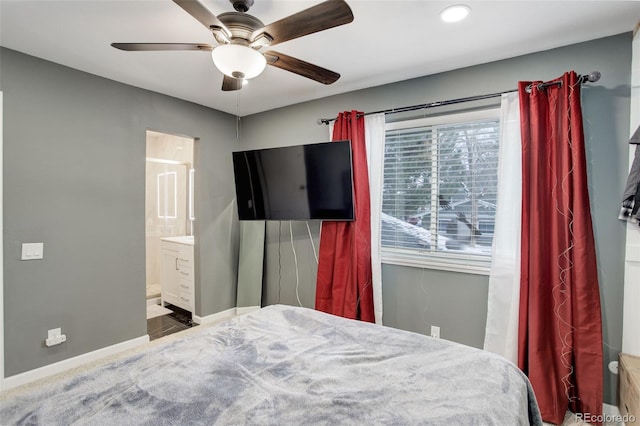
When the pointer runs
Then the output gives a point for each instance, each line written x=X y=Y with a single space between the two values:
x=241 y=310
x=153 y=301
x=612 y=415
x=611 y=410
x=229 y=313
x=67 y=364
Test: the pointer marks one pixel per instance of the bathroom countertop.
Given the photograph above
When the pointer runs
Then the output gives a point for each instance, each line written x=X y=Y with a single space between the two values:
x=183 y=239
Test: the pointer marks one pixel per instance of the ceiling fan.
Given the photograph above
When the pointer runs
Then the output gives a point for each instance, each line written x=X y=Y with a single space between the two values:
x=241 y=37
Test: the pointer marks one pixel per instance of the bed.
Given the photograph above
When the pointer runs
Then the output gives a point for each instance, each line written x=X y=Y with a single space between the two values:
x=286 y=365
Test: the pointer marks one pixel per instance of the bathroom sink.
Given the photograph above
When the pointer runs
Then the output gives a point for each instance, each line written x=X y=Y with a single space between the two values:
x=183 y=239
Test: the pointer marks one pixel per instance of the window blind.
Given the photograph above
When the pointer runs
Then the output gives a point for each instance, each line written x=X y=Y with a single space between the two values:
x=439 y=188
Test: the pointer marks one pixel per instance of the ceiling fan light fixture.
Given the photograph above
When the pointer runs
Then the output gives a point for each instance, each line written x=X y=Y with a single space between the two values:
x=455 y=13
x=238 y=61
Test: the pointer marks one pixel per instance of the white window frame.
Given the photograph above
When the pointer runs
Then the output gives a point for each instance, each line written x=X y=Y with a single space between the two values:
x=440 y=261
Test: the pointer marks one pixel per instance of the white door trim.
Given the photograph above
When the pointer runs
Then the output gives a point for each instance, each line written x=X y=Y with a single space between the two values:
x=1 y=259
x=630 y=313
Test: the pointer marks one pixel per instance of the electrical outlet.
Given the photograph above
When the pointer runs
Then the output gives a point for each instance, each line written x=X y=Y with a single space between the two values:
x=435 y=331
x=55 y=337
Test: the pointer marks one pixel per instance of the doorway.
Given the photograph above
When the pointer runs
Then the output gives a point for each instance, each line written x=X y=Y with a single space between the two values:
x=169 y=223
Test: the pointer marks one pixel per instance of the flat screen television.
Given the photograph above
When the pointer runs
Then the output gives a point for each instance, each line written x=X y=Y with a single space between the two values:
x=301 y=182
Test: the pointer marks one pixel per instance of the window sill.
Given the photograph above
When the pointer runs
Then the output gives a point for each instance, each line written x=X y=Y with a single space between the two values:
x=462 y=264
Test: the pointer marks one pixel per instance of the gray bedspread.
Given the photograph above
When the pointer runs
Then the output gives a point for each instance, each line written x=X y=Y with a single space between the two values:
x=289 y=366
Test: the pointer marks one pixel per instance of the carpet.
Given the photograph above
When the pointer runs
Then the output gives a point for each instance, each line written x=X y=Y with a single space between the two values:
x=157 y=311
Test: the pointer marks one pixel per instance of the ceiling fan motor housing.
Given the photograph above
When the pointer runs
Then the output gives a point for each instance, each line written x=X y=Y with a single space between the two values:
x=241 y=5
x=241 y=26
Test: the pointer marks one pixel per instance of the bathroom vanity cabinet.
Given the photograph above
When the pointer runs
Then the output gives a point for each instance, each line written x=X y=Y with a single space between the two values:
x=177 y=272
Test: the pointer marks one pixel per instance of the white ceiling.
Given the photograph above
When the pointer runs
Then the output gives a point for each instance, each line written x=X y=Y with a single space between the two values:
x=389 y=40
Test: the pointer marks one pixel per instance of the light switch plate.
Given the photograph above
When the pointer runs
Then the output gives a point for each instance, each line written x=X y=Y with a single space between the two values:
x=32 y=251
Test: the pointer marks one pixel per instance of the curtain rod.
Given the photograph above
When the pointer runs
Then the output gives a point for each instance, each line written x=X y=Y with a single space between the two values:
x=591 y=77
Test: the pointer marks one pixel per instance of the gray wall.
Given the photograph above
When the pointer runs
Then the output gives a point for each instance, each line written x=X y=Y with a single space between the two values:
x=415 y=298
x=74 y=179
x=74 y=161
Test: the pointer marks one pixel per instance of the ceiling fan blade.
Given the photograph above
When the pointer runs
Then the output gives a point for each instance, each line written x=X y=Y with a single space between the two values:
x=203 y=15
x=229 y=83
x=138 y=47
x=328 y=14
x=300 y=67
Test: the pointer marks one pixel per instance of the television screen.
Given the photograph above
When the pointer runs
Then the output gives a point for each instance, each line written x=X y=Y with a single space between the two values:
x=299 y=182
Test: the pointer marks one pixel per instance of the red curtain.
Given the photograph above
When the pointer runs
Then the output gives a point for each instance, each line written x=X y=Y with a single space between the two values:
x=344 y=263
x=560 y=329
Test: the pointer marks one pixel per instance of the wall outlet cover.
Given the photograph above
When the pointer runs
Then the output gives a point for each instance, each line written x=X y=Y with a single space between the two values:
x=435 y=331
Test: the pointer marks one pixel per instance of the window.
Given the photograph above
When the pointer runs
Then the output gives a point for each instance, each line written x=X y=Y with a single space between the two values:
x=439 y=191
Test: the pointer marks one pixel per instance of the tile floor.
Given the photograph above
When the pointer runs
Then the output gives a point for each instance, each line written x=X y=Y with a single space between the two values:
x=174 y=322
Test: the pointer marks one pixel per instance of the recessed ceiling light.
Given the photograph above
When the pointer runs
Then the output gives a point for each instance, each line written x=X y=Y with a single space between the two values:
x=455 y=13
